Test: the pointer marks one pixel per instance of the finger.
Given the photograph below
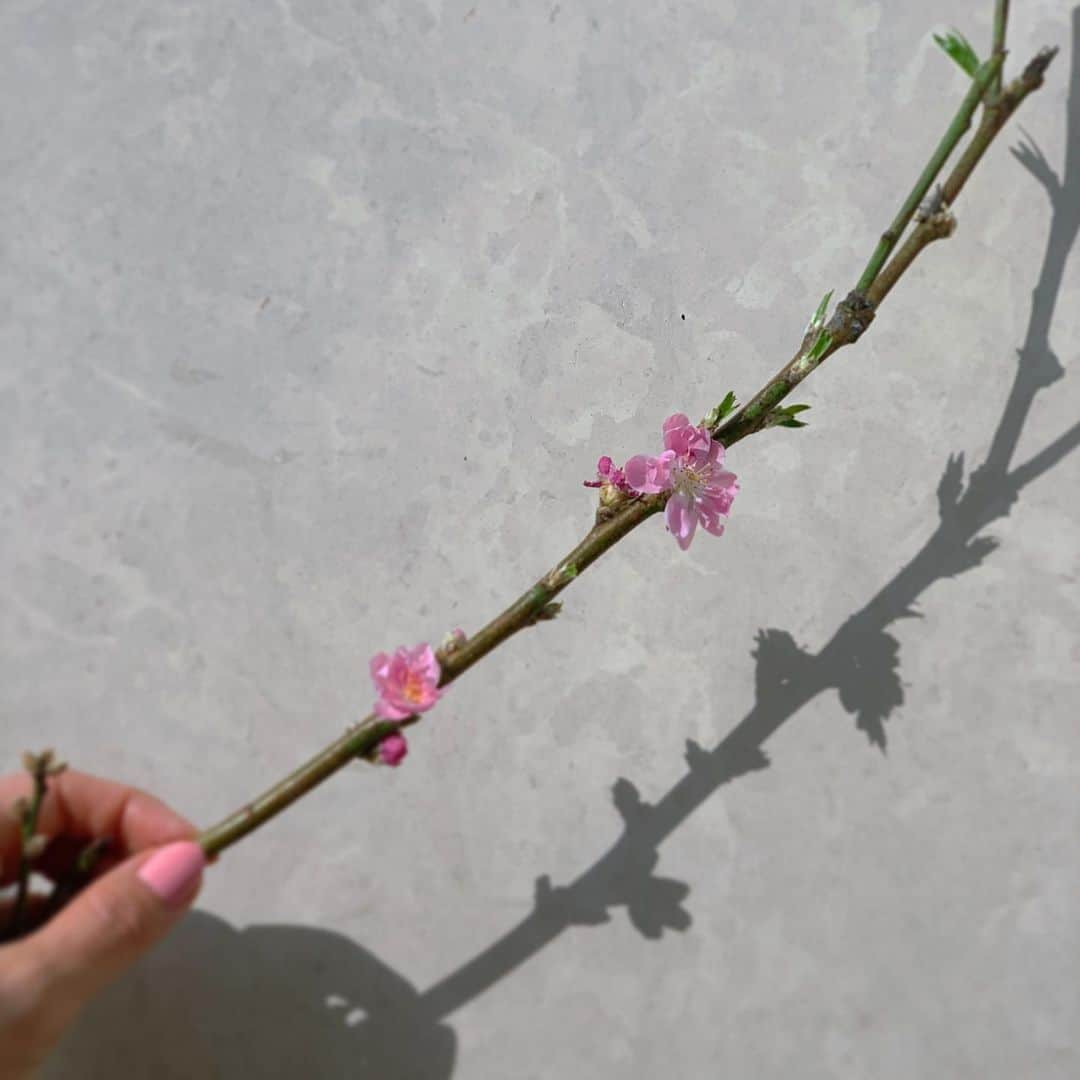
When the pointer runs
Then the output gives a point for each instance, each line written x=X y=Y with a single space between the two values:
x=110 y=924
x=83 y=806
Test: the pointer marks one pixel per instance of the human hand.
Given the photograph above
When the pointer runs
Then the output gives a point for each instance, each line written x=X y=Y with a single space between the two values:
x=149 y=877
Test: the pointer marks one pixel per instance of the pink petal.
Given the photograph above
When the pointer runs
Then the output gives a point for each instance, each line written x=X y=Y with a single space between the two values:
x=677 y=434
x=721 y=491
x=636 y=471
x=716 y=452
x=682 y=518
x=379 y=666
x=717 y=500
x=386 y=710
x=712 y=521
x=649 y=475
x=699 y=446
x=427 y=662
x=676 y=421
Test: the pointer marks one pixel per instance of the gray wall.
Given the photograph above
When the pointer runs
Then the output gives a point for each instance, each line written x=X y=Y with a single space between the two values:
x=315 y=315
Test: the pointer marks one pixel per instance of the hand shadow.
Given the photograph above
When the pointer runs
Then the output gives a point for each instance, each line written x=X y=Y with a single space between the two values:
x=268 y=1001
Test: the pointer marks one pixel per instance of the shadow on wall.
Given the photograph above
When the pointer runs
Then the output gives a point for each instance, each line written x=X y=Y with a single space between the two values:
x=291 y=1001
x=268 y=1001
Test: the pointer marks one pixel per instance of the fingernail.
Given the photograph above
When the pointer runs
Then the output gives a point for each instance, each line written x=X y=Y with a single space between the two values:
x=172 y=872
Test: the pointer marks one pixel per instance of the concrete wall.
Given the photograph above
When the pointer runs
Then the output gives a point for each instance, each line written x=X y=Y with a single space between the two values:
x=316 y=314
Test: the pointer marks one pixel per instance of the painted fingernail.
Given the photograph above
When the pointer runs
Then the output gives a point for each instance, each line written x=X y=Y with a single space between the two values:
x=172 y=872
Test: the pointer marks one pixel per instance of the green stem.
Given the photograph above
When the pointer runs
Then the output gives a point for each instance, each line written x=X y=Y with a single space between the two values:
x=851 y=318
x=960 y=123
x=993 y=120
x=1001 y=19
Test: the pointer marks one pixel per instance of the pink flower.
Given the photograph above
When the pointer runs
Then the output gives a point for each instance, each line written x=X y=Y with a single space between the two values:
x=407 y=682
x=392 y=749
x=691 y=467
x=607 y=472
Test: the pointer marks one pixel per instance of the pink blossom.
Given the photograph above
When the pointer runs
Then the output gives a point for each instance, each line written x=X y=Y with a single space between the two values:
x=691 y=468
x=392 y=749
x=607 y=472
x=407 y=681
x=685 y=439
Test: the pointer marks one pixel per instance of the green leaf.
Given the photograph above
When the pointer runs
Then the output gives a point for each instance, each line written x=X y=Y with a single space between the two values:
x=820 y=347
x=955 y=45
x=784 y=416
x=817 y=320
x=725 y=407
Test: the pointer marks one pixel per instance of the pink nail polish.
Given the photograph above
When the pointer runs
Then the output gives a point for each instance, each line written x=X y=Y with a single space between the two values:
x=172 y=872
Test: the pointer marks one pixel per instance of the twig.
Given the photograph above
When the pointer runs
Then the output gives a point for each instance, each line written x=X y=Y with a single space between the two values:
x=940 y=224
x=1001 y=21
x=31 y=844
x=851 y=318
x=983 y=79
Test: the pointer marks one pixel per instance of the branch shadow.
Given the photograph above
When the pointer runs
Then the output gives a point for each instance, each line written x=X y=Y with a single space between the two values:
x=296 y=1001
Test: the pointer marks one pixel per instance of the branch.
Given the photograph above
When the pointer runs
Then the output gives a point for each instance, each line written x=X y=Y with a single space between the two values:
x=853 y=315
x=983 y=79
x=940 y=224
x=31 y=843
x=1001 y=20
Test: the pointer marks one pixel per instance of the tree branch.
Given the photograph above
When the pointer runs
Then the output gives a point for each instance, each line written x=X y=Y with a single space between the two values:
x=983 y=79
x=853 y=315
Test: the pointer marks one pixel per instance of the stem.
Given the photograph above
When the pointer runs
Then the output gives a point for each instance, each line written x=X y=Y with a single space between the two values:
x=28 y=819
x=363 y=738
x=940 y=225
x=852 y=317
x=1001 y=19
x=960 y=123
x=994 y=119
x=754 y=414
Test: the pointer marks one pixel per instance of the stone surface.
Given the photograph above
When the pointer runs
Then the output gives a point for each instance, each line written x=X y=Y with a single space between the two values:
x=316 y=314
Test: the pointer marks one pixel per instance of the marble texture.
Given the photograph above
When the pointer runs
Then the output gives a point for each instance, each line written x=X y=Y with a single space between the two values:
x=315 y=313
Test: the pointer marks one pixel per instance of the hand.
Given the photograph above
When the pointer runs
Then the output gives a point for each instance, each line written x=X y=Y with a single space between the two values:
x=150 y=877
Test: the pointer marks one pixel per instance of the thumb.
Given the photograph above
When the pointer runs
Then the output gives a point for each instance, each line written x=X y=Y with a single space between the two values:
x=113 y=921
